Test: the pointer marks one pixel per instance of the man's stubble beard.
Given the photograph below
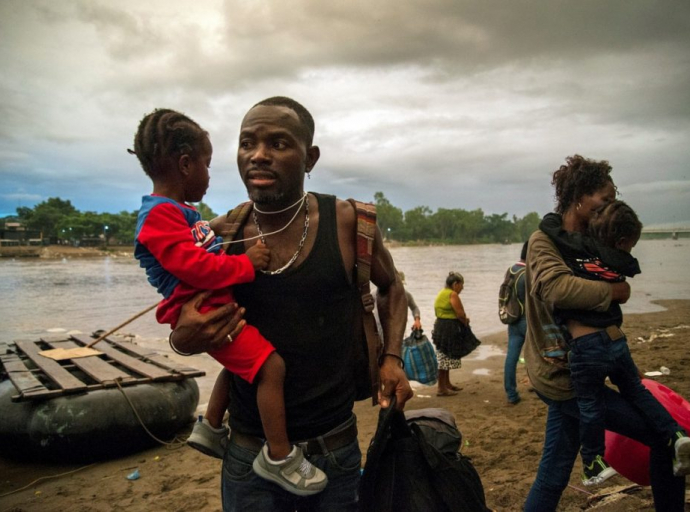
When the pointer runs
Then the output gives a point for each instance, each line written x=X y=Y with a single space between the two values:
x=273 y=197
x=267 y=198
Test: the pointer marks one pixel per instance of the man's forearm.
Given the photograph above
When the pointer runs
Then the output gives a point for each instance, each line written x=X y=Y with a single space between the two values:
x=392 y=308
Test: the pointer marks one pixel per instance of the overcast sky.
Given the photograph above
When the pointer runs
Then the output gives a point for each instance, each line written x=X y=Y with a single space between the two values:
x=447 y=104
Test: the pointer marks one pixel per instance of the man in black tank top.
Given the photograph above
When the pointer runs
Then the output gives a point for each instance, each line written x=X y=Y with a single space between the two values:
x=305 y=302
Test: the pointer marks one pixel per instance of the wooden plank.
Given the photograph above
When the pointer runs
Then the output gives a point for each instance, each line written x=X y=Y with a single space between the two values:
x=182 y=369
x=158 y=359
x=52 y=338
x=131 y=347
x=95 y=367
x=153 y=372
x=52 y=369
x=22 y=378
x=40 y=395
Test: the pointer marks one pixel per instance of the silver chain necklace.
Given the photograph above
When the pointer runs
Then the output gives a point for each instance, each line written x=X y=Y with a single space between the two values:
x=301 y=242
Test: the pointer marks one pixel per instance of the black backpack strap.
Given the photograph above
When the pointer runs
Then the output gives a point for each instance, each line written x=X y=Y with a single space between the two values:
x=520 y=274
x=366 y=231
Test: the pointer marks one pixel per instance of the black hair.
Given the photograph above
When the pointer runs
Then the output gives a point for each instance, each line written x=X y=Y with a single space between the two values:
x=165 y=135
x=523 y=252
x=579 y=177
x=614 y=221
x=454 y=277
x=302 y=113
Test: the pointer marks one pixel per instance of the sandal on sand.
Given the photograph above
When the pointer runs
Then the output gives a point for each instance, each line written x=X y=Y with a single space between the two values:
x=455 y=388
x=446 y=393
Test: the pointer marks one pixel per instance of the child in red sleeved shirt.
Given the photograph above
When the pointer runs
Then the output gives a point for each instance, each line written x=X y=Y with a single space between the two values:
x=182 y=256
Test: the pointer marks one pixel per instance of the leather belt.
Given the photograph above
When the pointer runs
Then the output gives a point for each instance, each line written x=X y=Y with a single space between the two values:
x=321 y=445
x=614 y=333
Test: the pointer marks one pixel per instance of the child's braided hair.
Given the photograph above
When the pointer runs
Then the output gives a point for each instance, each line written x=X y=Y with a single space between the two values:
x=163 y=136
x=614 y=221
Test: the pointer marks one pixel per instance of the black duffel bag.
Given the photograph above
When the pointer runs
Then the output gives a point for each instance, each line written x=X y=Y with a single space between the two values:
x=405 y=472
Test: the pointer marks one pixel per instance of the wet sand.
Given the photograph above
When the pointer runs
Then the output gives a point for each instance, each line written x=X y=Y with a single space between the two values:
x=503 y=441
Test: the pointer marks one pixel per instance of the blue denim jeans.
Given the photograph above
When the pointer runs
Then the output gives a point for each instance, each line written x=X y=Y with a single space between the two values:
x=562 y=443
x=592 y=358
x=243 y=490
x=516 y=339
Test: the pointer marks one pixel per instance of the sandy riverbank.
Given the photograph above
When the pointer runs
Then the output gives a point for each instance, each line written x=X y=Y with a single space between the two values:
x=504 y=442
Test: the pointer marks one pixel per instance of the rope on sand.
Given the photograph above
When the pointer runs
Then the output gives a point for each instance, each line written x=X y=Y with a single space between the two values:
x=581 y=490
x=47 y=478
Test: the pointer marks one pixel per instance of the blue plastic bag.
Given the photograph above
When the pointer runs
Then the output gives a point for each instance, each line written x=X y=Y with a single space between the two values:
x=420 y=360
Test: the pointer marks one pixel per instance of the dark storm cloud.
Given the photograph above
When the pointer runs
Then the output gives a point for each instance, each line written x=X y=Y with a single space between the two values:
x=446 y=103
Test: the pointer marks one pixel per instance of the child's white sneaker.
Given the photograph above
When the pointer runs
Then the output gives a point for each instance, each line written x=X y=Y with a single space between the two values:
x=295 y=474
x=207 y=439
x=681 y=461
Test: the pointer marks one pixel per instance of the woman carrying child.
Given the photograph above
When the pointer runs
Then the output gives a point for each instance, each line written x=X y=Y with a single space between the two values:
x=582 y=187
x=598 y=347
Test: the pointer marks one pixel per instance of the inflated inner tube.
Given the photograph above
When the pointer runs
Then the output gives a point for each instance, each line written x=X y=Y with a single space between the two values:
x=96 y=425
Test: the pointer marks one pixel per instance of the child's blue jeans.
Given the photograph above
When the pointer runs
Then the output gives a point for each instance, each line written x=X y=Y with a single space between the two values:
x=592 y=358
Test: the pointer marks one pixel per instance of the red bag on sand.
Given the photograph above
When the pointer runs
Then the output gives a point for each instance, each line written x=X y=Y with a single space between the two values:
x=630 y=458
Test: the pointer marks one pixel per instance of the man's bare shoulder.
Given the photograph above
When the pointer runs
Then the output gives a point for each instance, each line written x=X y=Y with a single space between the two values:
x=346 y=214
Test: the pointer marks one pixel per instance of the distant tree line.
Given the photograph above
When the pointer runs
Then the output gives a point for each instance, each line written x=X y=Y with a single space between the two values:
x=451 y=226
x=60 y=221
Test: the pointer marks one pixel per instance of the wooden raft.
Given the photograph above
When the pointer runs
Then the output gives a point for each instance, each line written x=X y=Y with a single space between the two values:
x=38 y=378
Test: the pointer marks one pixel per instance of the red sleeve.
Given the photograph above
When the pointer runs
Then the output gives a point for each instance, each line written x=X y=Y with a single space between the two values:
x=168 y=237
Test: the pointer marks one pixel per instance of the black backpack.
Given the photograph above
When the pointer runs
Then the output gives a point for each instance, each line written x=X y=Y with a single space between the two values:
x=413 y=465
x=510 y=309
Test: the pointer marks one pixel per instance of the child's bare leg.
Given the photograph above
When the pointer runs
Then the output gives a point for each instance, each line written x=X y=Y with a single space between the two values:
x=209 y=436
x=219 y=400
x=278 y=461
x=271 y=403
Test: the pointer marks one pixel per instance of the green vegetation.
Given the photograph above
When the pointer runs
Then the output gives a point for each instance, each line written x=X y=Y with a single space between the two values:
x=456 y=226
x=59 y=220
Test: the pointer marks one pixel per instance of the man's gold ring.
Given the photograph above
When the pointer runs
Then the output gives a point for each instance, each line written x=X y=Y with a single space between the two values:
x=229 y=338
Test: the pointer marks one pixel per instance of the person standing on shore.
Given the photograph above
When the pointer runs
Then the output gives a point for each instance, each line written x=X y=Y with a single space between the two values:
x=306 y=303
x=452 y=335
x=582 y=187
x=516 y=331
x=598 y=347
x=182 y=256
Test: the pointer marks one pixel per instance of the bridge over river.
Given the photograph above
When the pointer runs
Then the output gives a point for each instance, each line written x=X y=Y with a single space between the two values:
x=673 y=232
